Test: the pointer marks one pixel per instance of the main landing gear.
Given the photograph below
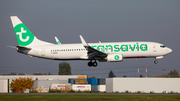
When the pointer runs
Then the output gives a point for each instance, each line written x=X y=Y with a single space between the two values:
x=94 y=64
x=155 y=61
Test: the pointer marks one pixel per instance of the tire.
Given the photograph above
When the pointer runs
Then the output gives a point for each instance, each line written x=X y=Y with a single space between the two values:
x=90 y=64
x=155 y=61
x=95 y=64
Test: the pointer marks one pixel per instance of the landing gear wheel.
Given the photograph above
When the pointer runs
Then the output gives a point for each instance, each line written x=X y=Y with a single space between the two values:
x=95 y=64
x=155 y=61
x=90 y=64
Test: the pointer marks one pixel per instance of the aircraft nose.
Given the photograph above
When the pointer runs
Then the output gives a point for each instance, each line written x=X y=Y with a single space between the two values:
x=168 y=50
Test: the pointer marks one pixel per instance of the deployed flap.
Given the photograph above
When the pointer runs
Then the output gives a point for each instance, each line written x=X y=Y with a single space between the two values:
x=92 y=53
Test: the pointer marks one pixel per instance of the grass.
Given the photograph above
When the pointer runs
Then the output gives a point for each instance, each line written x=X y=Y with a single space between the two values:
x=87 y=97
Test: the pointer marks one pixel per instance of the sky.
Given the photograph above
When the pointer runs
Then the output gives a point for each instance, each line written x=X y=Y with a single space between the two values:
x=96 y=20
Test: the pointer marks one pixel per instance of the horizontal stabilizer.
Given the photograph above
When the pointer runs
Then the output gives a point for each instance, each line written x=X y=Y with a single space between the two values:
x=11 y=46
x=21 y=47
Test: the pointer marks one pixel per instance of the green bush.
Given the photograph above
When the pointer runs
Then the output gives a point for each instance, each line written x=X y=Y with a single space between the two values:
x=138 y=91
x=79 y=91
x=151 y=92
x=126 y=91
x=87 y=91
x=50 y=91
x=117 y=92
x=93 y=91
x=164 y=92
x=58 y=91
x=171 y=92
x=72 y=91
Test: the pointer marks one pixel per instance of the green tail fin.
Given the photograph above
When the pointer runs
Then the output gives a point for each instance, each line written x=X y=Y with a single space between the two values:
x=24 y=36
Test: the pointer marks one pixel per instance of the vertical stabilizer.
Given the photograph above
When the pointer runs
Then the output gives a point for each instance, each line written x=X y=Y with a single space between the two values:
x=24 y=36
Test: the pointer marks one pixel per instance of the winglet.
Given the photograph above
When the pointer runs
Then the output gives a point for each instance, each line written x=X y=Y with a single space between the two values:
x=83 y=41
x=57 y=41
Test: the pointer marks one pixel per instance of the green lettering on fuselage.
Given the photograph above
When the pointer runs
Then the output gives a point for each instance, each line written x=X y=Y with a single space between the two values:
x=132 y=48
x=145 y=45
x=116 y=48
x=93 y=46
x=137 y=46
x=123 y=47
x=102 y=49
x=108 y=48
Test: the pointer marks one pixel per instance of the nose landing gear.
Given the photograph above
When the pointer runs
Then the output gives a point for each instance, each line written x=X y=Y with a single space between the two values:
x=94 y=64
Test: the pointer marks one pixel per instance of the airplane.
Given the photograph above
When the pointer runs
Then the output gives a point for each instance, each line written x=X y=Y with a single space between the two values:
x=102 y=51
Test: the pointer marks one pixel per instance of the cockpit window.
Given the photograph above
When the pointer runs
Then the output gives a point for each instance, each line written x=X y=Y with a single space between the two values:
x=162 y=46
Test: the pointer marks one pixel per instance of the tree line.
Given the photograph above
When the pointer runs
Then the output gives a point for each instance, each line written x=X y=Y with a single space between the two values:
x=171 y=74
x=65 y=69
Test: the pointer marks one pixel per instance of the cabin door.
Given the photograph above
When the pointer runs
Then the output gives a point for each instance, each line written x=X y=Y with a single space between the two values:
x=154 y=48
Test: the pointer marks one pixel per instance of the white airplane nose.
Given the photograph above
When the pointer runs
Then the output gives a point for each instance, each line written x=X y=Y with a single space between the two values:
x=169 y=50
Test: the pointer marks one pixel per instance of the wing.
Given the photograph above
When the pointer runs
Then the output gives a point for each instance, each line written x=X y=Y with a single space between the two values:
x=93 y=53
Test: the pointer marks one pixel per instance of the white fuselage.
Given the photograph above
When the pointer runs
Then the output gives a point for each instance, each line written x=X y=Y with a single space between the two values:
x=78 y=52
x=104 y=52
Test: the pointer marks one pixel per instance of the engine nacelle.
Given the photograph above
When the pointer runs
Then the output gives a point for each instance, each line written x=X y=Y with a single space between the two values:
x=114 y=57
